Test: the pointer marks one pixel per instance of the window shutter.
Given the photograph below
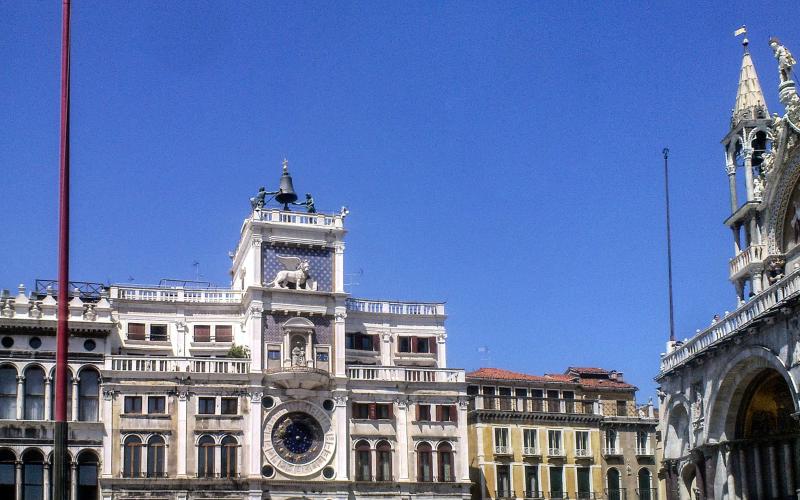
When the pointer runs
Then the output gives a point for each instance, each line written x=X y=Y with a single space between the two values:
x=454 y=413
x=391 y=411
x=414 y=344
x=373 y=411
x=417 y=412
x=136 y=331
x=376 y=342
x=223 y=333
x=432 y=344
x=202 y=333
x=438 y=413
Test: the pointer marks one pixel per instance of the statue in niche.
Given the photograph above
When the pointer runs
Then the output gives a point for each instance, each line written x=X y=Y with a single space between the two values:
x=785 y=59
x=758 y=186
x=295 y=273
x=299 y=354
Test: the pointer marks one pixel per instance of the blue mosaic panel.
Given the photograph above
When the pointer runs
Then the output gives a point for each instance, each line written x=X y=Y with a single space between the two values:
x=273 y=333
x=320 y=261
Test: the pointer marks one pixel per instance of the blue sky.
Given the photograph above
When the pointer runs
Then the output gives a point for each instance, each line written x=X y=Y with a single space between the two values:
x=504 y=157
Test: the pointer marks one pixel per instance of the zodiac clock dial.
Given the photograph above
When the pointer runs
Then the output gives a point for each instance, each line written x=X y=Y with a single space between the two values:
x=297 y=437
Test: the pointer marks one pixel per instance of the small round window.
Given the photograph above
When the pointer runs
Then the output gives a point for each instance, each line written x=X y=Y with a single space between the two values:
x=328 y=404
x=328 y=472
x=267 y=471
x=267 y=402
x=90 y=345
x=35 y=342
x=7 y=342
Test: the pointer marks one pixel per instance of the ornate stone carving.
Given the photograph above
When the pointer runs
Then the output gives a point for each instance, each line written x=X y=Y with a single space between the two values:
x=255 y=397
x=295 y=272
x=317 y=450
x=89 y=314
x=340 y=316
x=785 y=59
x=108 y=394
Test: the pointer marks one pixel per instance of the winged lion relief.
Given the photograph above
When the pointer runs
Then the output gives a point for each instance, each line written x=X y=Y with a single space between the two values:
x=295 y=272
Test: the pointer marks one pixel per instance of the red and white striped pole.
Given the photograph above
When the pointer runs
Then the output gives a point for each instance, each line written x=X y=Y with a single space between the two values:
x=60 y=457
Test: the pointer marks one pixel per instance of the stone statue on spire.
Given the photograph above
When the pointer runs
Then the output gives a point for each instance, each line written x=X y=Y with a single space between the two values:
x=785 y=59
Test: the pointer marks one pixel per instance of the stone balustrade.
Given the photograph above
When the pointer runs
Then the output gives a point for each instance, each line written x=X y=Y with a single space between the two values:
x=394 y=307
x=301 y=218
x=536 y=405
x=403 y=374
x=763 y=303
x=753 y=254
x=32 y=307
x=176 y=294
x=147 y=364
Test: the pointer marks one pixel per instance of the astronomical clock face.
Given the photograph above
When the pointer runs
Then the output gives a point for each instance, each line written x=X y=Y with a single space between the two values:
x=299 y=439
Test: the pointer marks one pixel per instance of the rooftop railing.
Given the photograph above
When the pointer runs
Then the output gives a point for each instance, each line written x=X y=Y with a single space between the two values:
x=535 y=405
x=303 y=218
x=762 y=303
x=171 y=294
x=394 y=307
x=147 y=364
x=402 y=374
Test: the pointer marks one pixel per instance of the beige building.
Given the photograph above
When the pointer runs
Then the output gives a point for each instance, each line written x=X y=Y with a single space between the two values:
x=579 y=434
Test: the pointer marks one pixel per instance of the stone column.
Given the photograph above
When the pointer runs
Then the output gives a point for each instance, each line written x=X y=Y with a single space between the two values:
x=46 y=481
x=254 y=440
x=788 y=469
x=181 y=444
x=108 y=418
x=756 y=282
x=774 y=480
x=386 y=348
x=338 y=336
x=338 y=266
x=730 y=168
x=441 y=351
x=743 y=474
x=75 y=409
x=748 y=172
x=757 y=471
x=20 y=397
x=257 y=277
x=48 y=393
x=255 y=333
x=402 y=438
x=462 y=454
x=73 y=490
x=343 y=448
x=18 y=479
x=728 y=456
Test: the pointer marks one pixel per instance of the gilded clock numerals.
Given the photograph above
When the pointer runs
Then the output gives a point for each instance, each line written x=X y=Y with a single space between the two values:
x=296 y=437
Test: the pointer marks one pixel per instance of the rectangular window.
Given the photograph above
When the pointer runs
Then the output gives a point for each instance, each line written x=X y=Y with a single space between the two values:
x=554 y=443
x=223 y=333
x=274 y=355
x=584 y=483
x=505 y=399
x=156 y=404
x=158 y=333
x=537 y=400
x=503 y=481
x=502 y=445
x=446 y=413
x=489 y=401
x=361 y=411
x=569 y=401
x=135 y=331
x=423 y=345
x=229 y=406
x=582 y=443
x=611 y=441
x=530 y=445
x=553 y=403
x=642 y=443
x=383 y=411
x=423 y=413
x=556 y=482
x=622 y=408
x=403 y=344
x=206 y=406
x=133 y=405
x=322 y=357
x=532 y=489
x=202 y=333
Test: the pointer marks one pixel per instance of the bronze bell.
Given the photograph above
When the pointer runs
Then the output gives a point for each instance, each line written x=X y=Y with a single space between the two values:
x=286 y=192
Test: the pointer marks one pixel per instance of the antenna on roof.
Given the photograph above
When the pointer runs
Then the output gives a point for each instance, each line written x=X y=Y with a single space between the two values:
x=665 y=151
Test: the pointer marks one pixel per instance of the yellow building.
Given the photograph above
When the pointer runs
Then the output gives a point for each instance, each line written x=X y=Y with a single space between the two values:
x=574 y=435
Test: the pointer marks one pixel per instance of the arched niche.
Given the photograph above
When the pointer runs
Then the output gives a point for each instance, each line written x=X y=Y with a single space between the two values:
x=298 y=342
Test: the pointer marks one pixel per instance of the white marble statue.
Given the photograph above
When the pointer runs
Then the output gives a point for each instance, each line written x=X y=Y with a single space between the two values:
x=785 y=59
x=296 y=272
x=298 y=356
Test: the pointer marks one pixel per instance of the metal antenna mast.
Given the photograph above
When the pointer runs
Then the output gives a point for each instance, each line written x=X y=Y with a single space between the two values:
x=669 y=247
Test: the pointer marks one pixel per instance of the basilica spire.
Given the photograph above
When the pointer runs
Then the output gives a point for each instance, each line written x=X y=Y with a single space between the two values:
x=750 y=103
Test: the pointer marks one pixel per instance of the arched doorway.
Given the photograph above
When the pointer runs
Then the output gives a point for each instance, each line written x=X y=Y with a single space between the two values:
x=613 y=485
x=767 y=438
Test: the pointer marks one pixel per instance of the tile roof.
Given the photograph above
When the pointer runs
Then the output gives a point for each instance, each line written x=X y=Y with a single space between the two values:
x=592 y=381
x=587 y=370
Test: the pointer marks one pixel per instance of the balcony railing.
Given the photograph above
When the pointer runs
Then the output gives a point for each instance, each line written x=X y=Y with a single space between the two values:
x=534 y=495
x=583 y=452
x=644 y=452
x=402 y=374
x=535 y=405
x=555 y=452
x=150 y=364
x=647 y=493
x=389 y=307
x=762 y=303
x=306 y=219
x=751 y=255
x=504 y=495
x=616 y=494
x=502 y=450
x=612 y=452
x=531 y=451
x=172 y=294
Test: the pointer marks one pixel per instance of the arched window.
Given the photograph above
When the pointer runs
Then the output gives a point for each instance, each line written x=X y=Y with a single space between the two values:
x=155 y=456
x=228 y=458
x=87 y=475
x=384 y=461
x=32 y=475
x=53 y=396
x=613 y=491
x=8 y=476
x=8 y=392
x=34 y=393
x=205 y=456
x=424 y=462
x=132 y=459
x=363 y=465
x=645 y=486
x=445 y=453
x=88 y=395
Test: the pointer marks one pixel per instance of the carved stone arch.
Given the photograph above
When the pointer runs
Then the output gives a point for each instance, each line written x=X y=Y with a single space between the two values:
x=778 y=197
x=751 y=136
x=734 y=378
x=677 y=431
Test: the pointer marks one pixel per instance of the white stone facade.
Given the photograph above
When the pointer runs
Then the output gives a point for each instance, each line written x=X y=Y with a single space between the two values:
x=253 y=391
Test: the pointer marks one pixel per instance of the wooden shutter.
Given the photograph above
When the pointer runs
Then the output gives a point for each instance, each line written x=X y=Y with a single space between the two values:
x=202 y=333
x=438 y=413
x=376 y=342
x=432 y=344
x=391 y=411
x=454 y=413
x=373 y=411
x=413 y=344
x=136 y=331
x=223 y=333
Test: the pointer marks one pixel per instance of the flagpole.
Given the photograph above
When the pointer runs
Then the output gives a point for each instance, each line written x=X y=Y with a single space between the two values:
x=669 y=246
x=60 y=457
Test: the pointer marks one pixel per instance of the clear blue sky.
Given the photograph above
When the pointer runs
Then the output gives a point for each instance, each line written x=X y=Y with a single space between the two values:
x=504 y=157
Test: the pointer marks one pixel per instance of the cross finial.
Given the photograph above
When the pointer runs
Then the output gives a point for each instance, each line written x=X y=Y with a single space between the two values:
x=285 y=165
